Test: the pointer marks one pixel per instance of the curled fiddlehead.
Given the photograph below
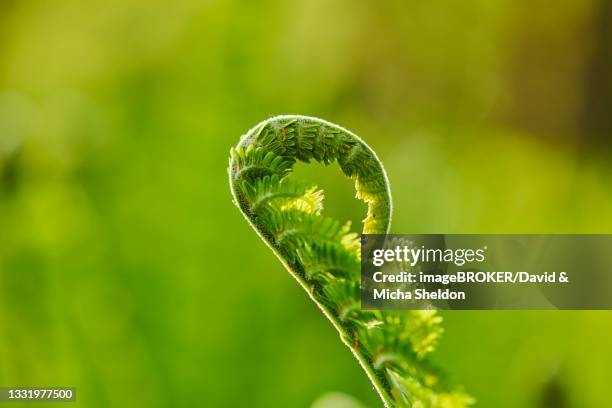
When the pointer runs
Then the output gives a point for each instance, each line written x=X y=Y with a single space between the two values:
x=323 y=255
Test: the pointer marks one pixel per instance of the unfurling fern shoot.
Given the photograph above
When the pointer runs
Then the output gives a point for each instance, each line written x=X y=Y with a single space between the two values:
x=323 y=255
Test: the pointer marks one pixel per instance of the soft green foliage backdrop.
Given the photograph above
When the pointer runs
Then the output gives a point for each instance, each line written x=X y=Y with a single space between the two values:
x=124 y=268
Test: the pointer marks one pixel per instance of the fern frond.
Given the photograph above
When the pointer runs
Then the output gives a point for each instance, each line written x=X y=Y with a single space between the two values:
x=322 y=254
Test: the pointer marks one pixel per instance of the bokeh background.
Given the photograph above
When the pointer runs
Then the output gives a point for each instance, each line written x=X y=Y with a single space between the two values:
x=126 y=271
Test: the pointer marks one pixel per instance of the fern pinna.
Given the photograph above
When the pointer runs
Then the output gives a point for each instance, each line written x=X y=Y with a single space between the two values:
x=323 y=255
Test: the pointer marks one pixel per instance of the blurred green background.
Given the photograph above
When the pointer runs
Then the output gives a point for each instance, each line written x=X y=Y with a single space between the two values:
x=119 y=242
